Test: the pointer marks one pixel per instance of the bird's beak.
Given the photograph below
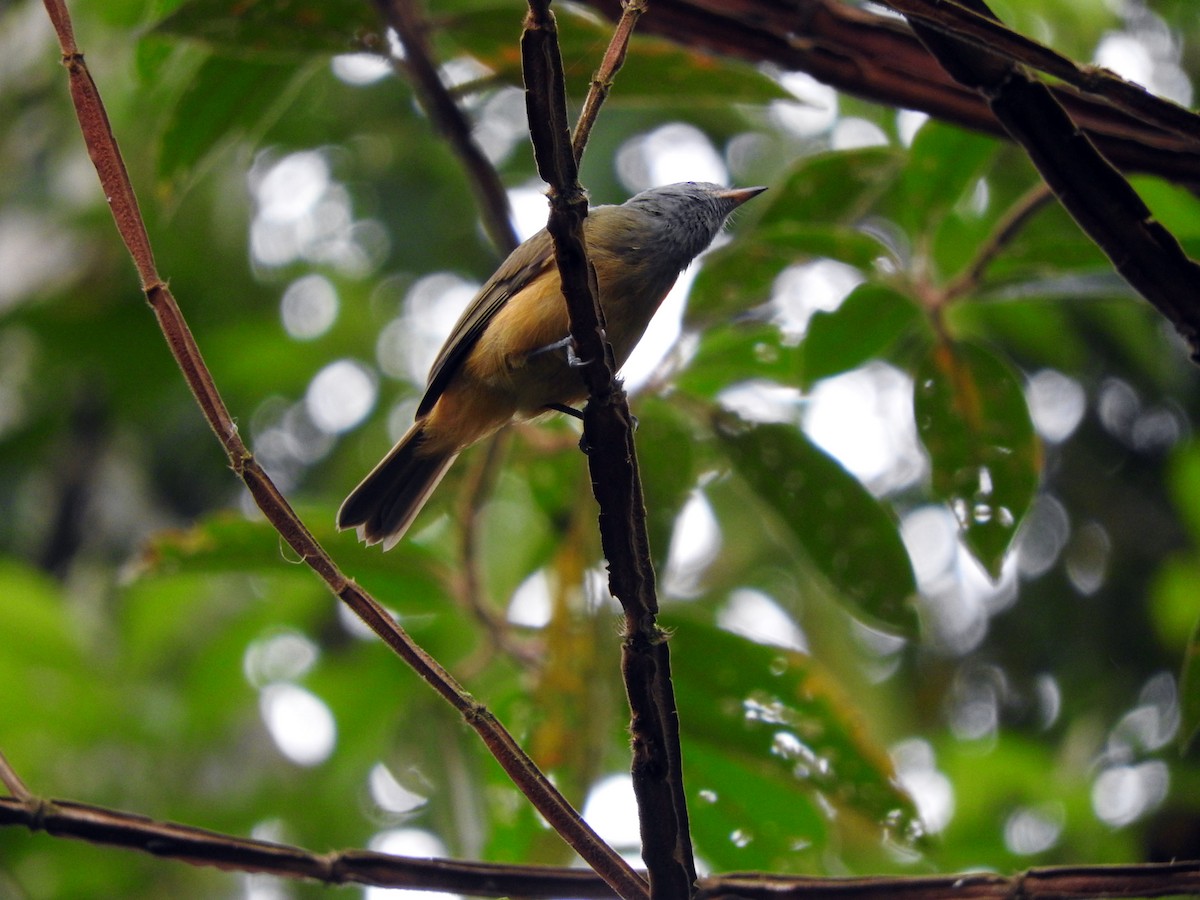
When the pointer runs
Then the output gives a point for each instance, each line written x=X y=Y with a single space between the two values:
x=739 y=195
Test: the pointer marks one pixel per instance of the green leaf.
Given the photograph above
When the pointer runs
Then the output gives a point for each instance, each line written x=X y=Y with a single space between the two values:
x=283 y=29
x=846 y=533
x=740 y=276
x=226 y=543
x=839 y=187
x=226 y=99
x=666 y=449
x=765 y=732
x=973 y=419
x=738 y=352
x=865 y=323
x=815 y=213
x=944 y=164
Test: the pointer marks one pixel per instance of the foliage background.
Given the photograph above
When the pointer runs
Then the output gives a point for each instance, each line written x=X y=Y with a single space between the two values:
x=155 y=642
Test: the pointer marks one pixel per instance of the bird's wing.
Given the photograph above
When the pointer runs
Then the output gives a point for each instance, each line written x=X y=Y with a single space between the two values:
x=523 y=265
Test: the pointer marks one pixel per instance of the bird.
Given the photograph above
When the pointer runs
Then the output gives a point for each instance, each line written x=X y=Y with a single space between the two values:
x=501 y=362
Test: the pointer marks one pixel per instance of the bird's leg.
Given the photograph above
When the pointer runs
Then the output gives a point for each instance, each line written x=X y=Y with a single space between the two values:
x=568 y=410
x=567 y=344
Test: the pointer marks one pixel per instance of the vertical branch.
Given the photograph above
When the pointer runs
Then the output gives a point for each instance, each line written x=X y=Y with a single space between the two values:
x=106 y=155
x=656 y=765
x=404 y=16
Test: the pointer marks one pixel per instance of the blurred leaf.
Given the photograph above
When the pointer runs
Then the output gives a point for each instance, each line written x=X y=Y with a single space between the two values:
x=833 y=188
x=973 y=419
x=944 y=164
x=740 y=276
x=844 y=531
x=765 y=727
x=734 y=353
x=862 y=327
x=1173 y=606
x=229 y=544
x=818 y=212
x=226 y=98
x=284 y=29
x=667 y=464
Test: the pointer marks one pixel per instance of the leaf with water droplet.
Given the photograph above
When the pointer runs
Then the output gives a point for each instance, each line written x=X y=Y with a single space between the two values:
x=846 y=533
x=974 y=420
x=782 y=747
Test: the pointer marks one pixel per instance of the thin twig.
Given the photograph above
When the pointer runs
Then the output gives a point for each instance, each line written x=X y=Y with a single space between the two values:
x=612 y=461
x=602 y=81
x=406 y=20
x=12 y=781
x=474 y=493
x=1014 y=219
x=106 y=156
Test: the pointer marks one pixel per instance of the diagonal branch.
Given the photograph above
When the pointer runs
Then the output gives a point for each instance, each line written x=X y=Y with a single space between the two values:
x=1089 y=187
x=405 y=18
x=612 y=460
x=958 y=20
x=105 y=154
x=602 y=81
x=876 y=58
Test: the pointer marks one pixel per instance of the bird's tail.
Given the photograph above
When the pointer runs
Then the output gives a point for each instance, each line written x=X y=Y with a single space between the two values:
x=389 y=498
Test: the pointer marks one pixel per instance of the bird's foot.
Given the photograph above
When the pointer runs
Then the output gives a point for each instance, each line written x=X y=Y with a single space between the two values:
x=567 y=345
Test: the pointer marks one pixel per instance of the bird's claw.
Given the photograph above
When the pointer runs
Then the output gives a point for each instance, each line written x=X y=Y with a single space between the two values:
x=567 y=345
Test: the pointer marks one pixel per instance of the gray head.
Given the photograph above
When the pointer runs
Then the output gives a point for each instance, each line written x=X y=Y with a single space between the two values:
x=687 y=216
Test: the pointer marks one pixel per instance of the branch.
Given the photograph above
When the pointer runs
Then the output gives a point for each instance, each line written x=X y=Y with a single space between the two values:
x=612 y=460
x=200 y=847
x=878 y=59
x=1014 y=219
x=1051 y=883
x=602 y=81
x=1089 y=187
x=406 y=20
x=105 y=154
x=971 y=26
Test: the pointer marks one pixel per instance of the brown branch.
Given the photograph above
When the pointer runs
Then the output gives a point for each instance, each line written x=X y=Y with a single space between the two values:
x=612 y=460
x=1051 y=883
x=602 y=81
x=1090 y=188
x=201 y=847
x=878 y=59
x=407 y=21
x=1014 y=219
x=102 y=147
x=992 y=36
x=12 y=781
